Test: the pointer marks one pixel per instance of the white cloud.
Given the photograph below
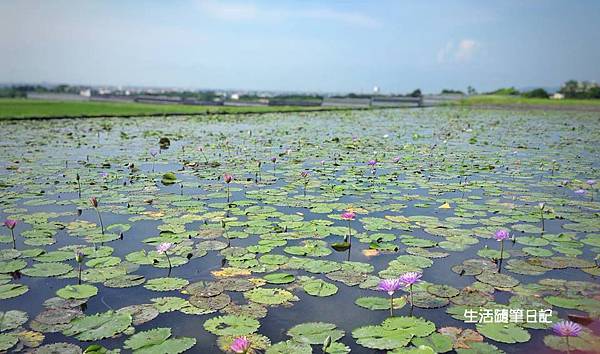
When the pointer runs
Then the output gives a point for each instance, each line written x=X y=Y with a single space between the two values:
x=465 y=50
x=461 y=53
x=232 y=11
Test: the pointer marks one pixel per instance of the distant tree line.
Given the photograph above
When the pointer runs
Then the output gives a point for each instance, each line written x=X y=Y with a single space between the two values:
x=20 y=91
x=570 y=89
x=580 y=89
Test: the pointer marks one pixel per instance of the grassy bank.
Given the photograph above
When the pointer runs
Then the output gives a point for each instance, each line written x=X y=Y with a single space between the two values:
x=500 y=100
x=22 y=108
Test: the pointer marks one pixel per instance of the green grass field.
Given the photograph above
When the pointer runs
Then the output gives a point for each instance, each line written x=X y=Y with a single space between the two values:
x=22 y=108
x=500 y=100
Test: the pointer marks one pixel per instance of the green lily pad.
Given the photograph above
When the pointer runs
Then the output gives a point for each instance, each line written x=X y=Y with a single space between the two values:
x=231 y=325
x=156 y=341
x=279 y=278
x=12 y=290
x=98 y=326
x=318 y=287
x=315 y=332
x=503 y=332
x=272 y=296
x=380 y=303
x=82 y=291
x=165 y=284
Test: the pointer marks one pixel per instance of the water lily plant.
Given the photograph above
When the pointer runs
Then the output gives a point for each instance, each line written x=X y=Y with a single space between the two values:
x=591 y=183
x=408 y=279
x=241 y=345
x=390 y=286
x=274 y=161
x=500 y=236
x=541 y=206
x=349 y=216
x=94 y=203
x=305 y=178
x=153 y=153
x=79 y=258
x=201 y=149
x=372 y=164
x=11 y=224
x=567 y=329
x=162 y=248
x=228 y=178
x=78 y=185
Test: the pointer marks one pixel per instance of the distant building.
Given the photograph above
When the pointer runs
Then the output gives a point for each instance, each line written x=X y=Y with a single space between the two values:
x=235 y=96
x=376 y=89
x=85 y=93
x=557 y=96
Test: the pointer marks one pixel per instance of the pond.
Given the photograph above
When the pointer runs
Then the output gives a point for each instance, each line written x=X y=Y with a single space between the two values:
x=175 y=234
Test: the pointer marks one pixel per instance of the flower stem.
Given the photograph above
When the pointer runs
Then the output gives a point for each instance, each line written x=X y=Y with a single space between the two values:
x=568 y=348
x=168 y=260
x=391 y=305
x=12 y=233
x=349 y=233
x=501 y=254
x=79 y=278
x=100 y=218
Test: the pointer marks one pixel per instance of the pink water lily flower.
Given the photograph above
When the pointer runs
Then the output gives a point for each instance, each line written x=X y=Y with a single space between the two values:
x=349 y=215
x=240 y=345
x=227 y=178
x=94 y=202
x=566 y=329
x=164 y=247
x=10 y=223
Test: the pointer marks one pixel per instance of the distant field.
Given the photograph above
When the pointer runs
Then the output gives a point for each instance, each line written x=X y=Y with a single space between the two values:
x=499 y=100
x=22 y=108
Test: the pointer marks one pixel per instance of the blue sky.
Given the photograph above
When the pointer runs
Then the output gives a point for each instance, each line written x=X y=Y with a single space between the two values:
x=301 y=45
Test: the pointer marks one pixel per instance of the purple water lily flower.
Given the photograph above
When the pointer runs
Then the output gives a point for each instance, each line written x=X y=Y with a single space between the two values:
x=591 y=182
x=580 y=192
x=372 y=163
x=566 y=329
x=162 y=248
x=501 y=235
x=390 y=286
x=410 y=278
